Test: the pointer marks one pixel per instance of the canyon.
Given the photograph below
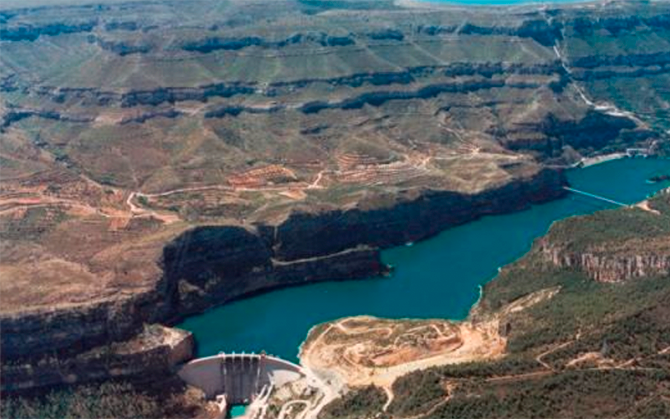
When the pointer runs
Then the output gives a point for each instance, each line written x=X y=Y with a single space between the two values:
x=156 y=166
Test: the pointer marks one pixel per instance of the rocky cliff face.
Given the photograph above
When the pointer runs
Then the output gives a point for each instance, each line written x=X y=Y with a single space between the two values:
x=485 y=72
x=156 y=351
x=604 y=267
x=207 y=284
x=213 y=265
x=15 y=115
x=68 y=331
x=595 y=129
x=409 y=219
x=31 y=33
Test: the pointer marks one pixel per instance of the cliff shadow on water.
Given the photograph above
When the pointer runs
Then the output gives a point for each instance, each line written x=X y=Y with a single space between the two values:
x=213 y=265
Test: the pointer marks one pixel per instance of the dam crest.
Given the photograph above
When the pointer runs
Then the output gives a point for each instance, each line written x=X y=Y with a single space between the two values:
x=240 y=377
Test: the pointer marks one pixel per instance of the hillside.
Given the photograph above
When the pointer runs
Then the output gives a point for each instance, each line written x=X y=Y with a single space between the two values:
x=597 y=348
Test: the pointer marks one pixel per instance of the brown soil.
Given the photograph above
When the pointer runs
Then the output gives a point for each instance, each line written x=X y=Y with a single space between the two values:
x=366 y=350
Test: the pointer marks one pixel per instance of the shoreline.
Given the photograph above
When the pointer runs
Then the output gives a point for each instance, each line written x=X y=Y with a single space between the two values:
x=473 y=311
x=473 y=339
x=173 y=298
x=603 y=158
x=505 y=4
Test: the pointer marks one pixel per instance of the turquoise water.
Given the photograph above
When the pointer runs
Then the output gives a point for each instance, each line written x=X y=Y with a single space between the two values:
x=237 y=411
x=439 y=277
x=500 y=2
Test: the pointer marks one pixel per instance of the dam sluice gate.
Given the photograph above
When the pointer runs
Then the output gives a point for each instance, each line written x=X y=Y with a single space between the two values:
x=240 y=377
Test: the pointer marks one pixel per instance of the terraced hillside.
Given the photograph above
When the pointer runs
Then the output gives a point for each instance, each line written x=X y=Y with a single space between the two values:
x=159 y=158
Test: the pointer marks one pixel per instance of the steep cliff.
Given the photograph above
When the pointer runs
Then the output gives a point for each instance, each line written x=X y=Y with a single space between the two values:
x=630 y=243
x=31 y=33
x=214 y=265
x=411 y=217
x=606 y=268
x=594 y=130
x=156 y=351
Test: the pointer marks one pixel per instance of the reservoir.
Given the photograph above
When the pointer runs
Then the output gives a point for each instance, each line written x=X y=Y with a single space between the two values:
x=500 y=2
x=436 y=278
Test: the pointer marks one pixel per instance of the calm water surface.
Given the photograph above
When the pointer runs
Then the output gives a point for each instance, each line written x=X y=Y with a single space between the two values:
x=500 y=2
x=237 y=411
x=439 y=277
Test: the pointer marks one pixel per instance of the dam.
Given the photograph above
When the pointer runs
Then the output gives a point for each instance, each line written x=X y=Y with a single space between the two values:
x=240 y=377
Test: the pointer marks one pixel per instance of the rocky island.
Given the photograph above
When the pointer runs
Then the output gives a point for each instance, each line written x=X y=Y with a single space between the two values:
x=158 y=159
x=659 y=178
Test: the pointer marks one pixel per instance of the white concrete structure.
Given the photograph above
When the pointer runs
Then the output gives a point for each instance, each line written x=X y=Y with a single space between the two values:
x=241 y=377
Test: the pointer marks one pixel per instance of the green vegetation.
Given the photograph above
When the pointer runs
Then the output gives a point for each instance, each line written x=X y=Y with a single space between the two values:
x=109 y=399
x=363 y=402
x=661 y=203
x=573 y=394
x=594 y=350
x=512 y=364
x=415 y=393
x=612 y=226
x=143 y=200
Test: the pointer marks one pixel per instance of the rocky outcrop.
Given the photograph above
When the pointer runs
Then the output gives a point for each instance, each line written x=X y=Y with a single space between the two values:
x=585 y=26
x=412 y=217
x=122 y=26
x=621 y=72
x=214 y=265
x=65 y=331
x=154 y=352
x=9 y=83
x=234 y=110
x=178 y=94
x=495 y=69
x=605 y=267
x=31 y=33
x=595 y=67
x=17 y=114
x=641 y=60
x=169 y=113
x=120 y=48
x=594 y=130
x=378 y=98
x=154 y=97
x=386 y=34
x=538 y=29
x=231 y=44
x=490 y=71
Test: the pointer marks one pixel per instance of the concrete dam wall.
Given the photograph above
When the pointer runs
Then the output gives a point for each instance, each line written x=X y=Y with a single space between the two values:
x=239 y=376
